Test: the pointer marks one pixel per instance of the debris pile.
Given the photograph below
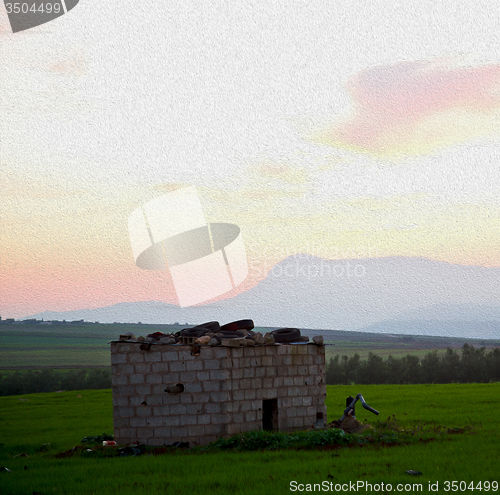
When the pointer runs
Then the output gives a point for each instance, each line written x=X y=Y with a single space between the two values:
x=235 y=334
x=350 y=425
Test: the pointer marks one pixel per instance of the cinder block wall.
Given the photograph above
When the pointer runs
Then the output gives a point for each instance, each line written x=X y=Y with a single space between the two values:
x=226 y=391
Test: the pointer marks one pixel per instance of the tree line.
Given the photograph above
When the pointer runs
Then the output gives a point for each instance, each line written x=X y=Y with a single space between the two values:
x=49 y=380
x=471 y=365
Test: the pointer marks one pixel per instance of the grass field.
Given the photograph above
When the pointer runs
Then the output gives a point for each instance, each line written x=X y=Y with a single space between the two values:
x=24 y=346
x=63 y=346
x=63 y=419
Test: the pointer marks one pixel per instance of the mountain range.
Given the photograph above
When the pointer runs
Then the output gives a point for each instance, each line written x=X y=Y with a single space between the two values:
x=389 y=295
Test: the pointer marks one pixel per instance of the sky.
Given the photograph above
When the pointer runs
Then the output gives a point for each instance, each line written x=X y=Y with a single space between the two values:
x=340 y=129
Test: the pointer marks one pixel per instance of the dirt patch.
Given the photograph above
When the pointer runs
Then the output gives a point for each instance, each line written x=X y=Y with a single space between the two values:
x=71 y=452
x=350 y=425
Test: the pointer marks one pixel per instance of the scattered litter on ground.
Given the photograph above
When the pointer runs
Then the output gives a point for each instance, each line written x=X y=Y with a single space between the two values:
x=97 y=439
x=70 y=452
x=130 y=450
x=350 y=425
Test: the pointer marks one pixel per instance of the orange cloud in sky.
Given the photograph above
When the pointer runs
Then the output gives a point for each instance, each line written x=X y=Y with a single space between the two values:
x=67 y=288
x=415 y=107
x=70 y=264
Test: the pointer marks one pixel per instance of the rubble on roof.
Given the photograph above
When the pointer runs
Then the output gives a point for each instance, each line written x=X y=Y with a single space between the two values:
x=235 y=334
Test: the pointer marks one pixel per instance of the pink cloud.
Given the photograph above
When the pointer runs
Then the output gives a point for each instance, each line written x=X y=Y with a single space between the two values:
x=391 y=102
x=75 y=65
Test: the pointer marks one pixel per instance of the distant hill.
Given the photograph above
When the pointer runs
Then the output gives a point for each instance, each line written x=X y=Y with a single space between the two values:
x=452 y=312
x=389 y=295
x=446 y=320
x=458 y=328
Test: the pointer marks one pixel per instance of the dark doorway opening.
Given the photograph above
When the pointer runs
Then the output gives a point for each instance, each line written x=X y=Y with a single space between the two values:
x=270 y=414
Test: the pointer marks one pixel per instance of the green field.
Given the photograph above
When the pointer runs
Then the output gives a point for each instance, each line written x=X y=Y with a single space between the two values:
x=63 y=346
x=362 y=343
x=24 y=346
x=63 y=419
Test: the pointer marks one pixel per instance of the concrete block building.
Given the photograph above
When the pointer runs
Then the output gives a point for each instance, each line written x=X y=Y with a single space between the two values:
x=165 y=394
